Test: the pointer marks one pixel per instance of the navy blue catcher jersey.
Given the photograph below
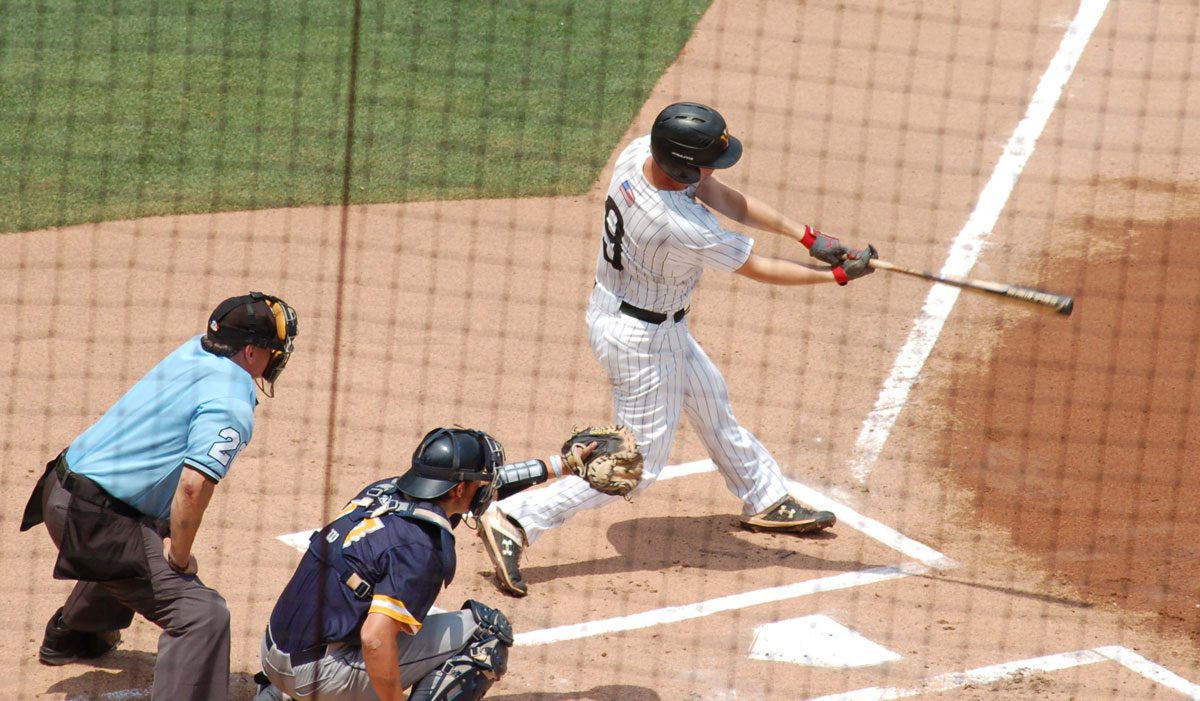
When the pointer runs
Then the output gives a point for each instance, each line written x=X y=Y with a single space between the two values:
x=401 y=557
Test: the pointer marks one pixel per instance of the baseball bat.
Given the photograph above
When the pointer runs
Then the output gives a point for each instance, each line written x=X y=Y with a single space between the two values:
x=1062 y=304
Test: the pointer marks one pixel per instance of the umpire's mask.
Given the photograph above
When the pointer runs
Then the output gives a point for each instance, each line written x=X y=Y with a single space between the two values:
x=448 y=456
x=255 y=319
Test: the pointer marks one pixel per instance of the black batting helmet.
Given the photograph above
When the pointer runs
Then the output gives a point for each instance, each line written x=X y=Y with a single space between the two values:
x=447 y=456
x=687 y=136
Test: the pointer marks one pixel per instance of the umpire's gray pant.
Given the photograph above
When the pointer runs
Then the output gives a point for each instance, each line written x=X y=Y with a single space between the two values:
x=193 y=650
x=341 y=675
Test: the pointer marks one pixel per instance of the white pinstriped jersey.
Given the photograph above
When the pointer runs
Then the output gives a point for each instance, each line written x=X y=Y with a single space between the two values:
x=656 y=243
x=654 y=246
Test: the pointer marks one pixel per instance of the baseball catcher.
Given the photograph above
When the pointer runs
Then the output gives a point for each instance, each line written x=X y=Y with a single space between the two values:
x=355 y=622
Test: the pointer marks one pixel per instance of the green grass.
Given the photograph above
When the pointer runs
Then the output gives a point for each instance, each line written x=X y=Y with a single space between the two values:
x=112 y=109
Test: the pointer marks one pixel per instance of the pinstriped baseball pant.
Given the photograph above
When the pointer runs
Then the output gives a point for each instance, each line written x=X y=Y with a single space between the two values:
x=657 y=371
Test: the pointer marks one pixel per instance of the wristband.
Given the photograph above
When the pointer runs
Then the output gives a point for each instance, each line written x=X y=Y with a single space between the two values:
x=839 y=274
x=556 y=465
x=809 y=237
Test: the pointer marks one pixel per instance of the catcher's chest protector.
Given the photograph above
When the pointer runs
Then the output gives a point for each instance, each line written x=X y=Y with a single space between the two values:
x=378 y=503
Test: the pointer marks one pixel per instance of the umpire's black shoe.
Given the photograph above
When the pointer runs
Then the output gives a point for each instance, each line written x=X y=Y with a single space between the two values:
x=504 y=541
x=788 y=516
x=61 y=645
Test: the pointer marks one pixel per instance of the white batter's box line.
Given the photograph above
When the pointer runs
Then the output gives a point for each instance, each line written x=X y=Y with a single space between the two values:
x=299 y=539
x=925 y=556
x=845 y=515
x=945 y=682
x=675 y=614
x=733 y=602
x=119 y=695
x=1007 y=670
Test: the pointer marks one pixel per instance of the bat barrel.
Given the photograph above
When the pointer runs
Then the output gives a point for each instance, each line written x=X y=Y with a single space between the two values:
x=1059 y=303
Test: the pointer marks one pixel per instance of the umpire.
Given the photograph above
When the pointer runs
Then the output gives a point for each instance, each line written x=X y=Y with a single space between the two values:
x=124 y=501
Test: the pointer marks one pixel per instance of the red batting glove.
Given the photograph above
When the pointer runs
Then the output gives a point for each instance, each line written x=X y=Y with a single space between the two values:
x=825 y=248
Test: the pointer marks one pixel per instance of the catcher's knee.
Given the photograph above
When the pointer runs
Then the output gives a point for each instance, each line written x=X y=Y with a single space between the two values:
x=490 y=622
x=468 y=675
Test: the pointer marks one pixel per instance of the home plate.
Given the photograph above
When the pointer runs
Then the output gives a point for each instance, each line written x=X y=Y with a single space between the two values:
x=818 y=641
x=298 y=540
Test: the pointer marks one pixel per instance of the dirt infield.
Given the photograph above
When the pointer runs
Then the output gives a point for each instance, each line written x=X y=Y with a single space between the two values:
x=1083 y=442
x=1036 y=500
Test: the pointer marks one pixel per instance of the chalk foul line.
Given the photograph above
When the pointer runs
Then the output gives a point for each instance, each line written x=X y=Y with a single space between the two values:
x=966 y=247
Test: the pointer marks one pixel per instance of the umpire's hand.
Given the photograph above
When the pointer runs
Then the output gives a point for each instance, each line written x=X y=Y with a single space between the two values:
x=192 y=565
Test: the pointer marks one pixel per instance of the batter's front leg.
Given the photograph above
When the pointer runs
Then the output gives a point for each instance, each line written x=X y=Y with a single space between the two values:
x=749 y=470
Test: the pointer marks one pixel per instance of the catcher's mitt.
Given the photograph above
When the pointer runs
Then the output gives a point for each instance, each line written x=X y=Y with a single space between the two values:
x=614 y=467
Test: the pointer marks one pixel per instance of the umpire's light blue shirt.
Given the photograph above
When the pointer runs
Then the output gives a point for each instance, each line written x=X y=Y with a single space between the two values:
x=193 y=408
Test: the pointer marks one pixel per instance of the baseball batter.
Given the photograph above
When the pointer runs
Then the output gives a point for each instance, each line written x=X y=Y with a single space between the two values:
x=658 y=236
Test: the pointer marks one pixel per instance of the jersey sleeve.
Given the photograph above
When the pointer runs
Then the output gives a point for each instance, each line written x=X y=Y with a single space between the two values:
x=407 y=588
x=701 y=240
x=219 y=430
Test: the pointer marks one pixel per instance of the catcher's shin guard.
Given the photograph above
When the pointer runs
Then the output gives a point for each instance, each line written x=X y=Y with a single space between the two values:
x=470 y=674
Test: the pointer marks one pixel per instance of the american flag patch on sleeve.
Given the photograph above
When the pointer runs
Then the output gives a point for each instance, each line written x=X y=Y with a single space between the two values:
x=627 y=192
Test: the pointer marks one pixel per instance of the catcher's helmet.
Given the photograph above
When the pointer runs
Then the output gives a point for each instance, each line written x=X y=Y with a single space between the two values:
x=687 y=136
x=447 y=456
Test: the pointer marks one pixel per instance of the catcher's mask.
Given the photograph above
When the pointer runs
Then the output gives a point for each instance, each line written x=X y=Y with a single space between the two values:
x=687 y=136
x=448 y=456
x=260 y=320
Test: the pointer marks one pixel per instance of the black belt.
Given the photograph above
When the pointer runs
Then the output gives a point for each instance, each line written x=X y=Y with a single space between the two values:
x=648 y=316
x=298 y=658
x=84 y=488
